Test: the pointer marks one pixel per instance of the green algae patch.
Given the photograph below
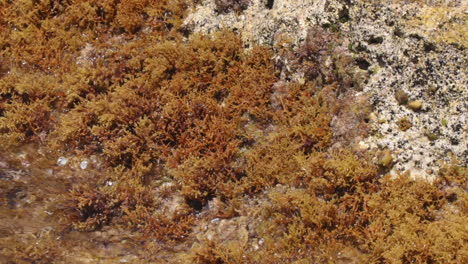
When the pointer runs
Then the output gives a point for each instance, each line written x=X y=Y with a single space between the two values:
x=195 y=151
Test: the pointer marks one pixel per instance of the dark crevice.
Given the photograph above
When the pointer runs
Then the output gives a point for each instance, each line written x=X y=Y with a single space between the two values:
x=195 y=204
x=344 y=15
x=428 y=47
x=269 y=4
x=362 y=64
x=398 y=32
x=375 y=40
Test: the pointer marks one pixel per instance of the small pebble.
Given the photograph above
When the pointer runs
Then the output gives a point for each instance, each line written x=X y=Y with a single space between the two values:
x=415 y=105
x=401 y=97
x=84 y=164
x=261 y=241
x=62 y=161
x=386 y=160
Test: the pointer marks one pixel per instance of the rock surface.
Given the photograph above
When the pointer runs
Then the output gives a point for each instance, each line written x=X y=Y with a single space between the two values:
x=414 y=49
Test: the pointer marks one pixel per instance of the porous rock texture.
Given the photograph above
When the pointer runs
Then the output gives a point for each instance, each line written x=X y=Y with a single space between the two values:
x=414 y=48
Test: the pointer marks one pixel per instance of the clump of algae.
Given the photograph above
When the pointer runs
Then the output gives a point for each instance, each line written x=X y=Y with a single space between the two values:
x=192 y=120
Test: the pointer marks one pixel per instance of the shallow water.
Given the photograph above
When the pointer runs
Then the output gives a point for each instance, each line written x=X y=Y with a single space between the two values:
x=32 y=186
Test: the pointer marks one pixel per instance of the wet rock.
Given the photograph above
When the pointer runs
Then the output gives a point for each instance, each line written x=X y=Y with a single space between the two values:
x=412 y=50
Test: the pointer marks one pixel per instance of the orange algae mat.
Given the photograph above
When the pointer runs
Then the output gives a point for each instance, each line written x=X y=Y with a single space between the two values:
x=127 y=138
